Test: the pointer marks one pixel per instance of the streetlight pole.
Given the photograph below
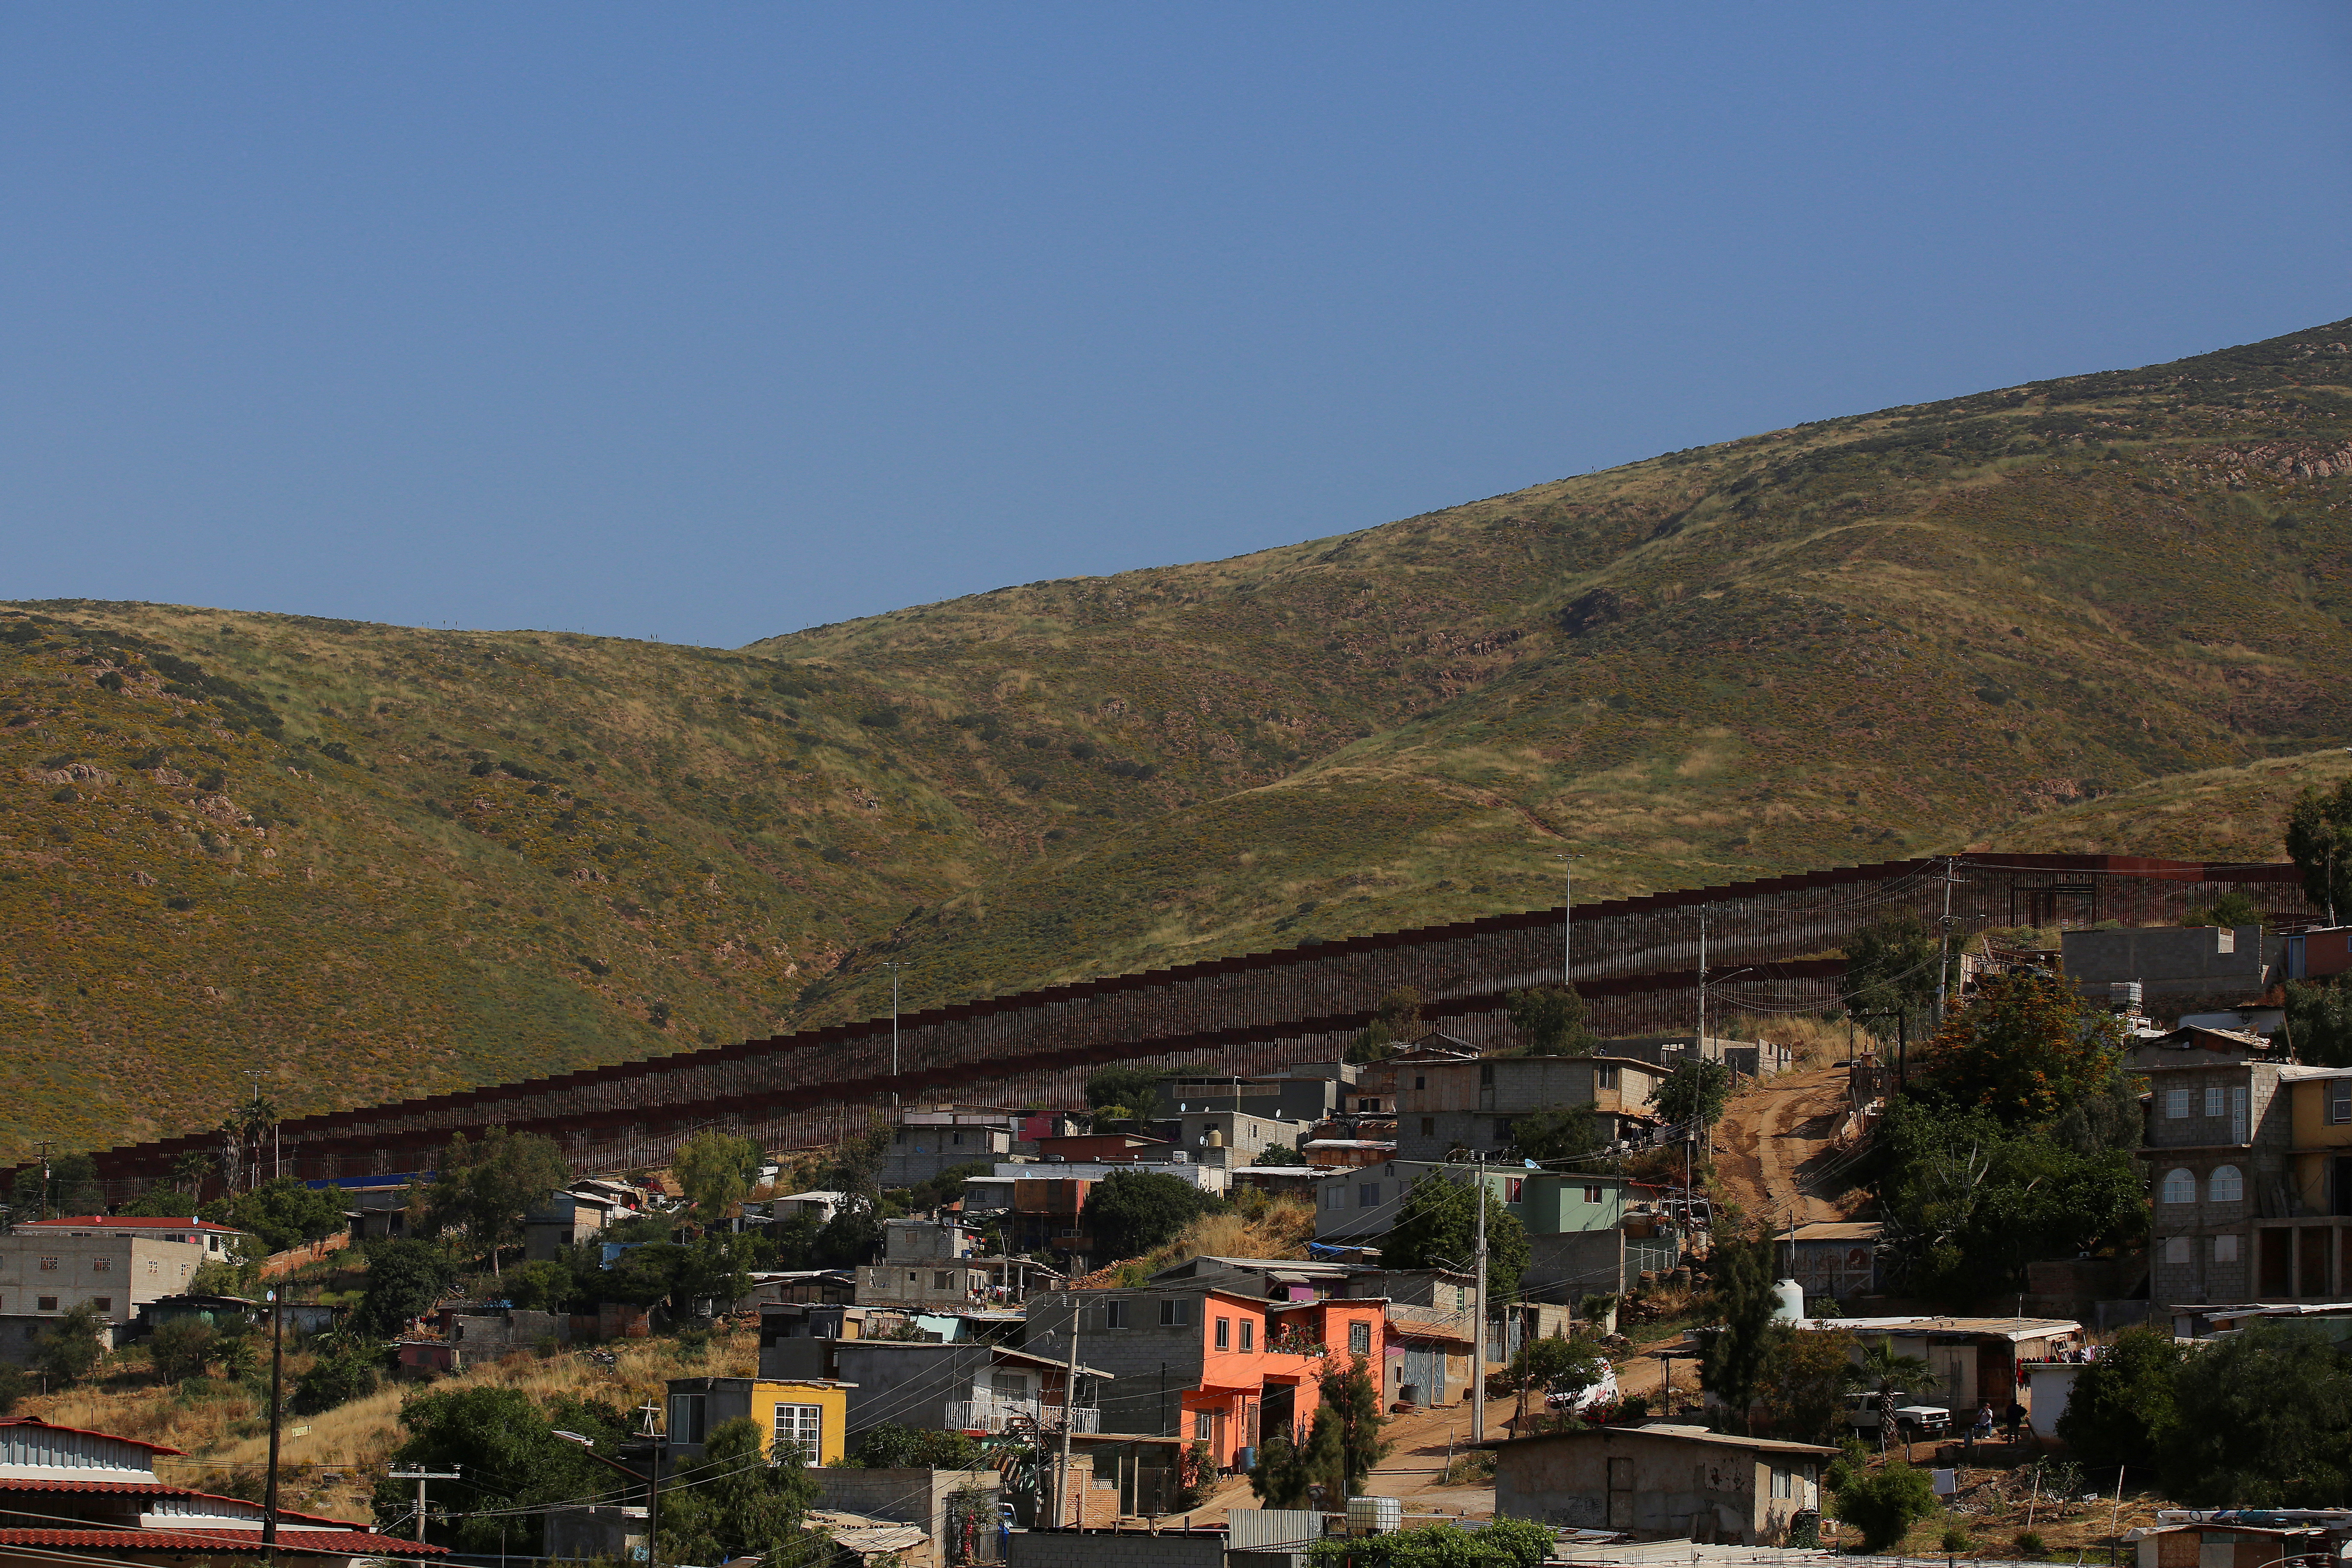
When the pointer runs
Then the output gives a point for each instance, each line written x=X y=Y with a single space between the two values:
x=1478 y=1334
x=894 y=969
x=1568 y=921
x=277 y=1406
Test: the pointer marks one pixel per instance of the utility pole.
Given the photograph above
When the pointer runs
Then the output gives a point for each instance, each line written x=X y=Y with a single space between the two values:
x=894 y=969
x=45 y=1178
x=1943 y=949
x=1698 y=1047
x=653 y=1488
x=1477 y=1362
x=277 y=1408
x=420 y=1477
x=1069 y=1391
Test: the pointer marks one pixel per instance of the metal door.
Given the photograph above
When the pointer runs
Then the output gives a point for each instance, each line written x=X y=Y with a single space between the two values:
x=1621 y=1493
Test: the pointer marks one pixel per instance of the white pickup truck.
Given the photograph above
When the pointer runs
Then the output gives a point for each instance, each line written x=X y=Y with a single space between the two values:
x=1913 y=1422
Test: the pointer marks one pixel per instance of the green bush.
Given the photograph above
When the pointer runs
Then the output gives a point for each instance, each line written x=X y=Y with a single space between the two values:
x=2030 y=1544
x=1885 y=1504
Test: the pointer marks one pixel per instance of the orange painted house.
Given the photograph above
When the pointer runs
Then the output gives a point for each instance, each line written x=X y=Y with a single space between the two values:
x=1207 y=1365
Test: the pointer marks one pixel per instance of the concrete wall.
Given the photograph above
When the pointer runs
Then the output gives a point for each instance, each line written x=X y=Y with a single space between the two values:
x=2191 y=1244
x=2167 y=960
x=903 y=1496
x=1092 y=1548
x=1662 y=1487
x=1577 y=1263
x=121 y=1272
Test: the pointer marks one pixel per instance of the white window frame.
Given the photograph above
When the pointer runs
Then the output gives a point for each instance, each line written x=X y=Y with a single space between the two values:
x=2176 y=1104
x=2179 y=1187
x=802 y=1426
x=2214 y=1100
x=2236 y=1191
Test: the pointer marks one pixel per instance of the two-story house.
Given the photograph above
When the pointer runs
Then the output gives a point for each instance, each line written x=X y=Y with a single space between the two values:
x=1307 y=1092
x=1231 y=1138
x=928 y=1143
x=117 y=1264
x=1448 y=1106
x=938 y=1266
x=2220 y=1139
x=1575 y=1221
x=1207 y=1365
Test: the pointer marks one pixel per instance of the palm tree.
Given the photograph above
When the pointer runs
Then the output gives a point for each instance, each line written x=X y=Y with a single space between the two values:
x=1885 y=1373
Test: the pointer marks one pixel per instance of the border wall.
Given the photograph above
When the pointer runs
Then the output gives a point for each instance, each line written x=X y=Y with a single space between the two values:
x=1771 y=946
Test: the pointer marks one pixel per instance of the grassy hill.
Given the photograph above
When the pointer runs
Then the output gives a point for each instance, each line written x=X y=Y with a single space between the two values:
x=361 y=860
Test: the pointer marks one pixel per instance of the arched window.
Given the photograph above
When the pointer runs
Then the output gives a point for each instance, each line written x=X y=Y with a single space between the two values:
x=2227 y=1186
x=2180 y=1187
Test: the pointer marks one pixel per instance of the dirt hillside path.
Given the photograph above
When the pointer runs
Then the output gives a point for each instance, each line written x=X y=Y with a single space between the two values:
x=1770 y=1134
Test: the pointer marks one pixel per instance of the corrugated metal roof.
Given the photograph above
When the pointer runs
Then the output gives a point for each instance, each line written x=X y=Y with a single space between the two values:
x=86 y=1432
x=321 y=1543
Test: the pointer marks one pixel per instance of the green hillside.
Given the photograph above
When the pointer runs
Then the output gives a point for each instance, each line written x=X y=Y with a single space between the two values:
x=363 y=861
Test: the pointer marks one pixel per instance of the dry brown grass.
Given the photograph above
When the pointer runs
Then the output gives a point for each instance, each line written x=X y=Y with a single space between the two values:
x=220 y=1427
x=1817 y=1042
x=1282 y=1230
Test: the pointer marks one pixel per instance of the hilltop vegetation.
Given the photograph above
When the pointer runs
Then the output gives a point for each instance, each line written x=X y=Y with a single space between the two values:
x=368 y=860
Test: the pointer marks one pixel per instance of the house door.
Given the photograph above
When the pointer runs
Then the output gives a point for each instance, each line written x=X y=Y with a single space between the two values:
x=1621 y=1493
x=1422 y=1369
x=1277 y=1411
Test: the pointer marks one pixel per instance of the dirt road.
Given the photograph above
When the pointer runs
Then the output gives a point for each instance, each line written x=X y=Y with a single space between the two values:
x=1772 y=1140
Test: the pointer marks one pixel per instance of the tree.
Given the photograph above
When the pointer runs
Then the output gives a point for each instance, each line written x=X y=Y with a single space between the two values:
x=1128 y=1212
x=1885 y=1504
x=182 y=1349
x=14 y=1385
x=2121 y=1404
x=1807 y=1372
x=1437 y=1229
x=1350 y=1391
x=1503 y=1543
x=486 y=1188
x=1696 y=1091
x=2319 y=1021
x=514 y=1464
x=405 y=1277
x=1890 y=967
x=1554 y=1364
x=1551 y=1020
x=69 y=1347
x=541 y=1287
x=1279 y=1154
x=891 y=1447
x=235 y=1272
x=716 y=1171
x=2319 y=841
x=1127 y=1088
x=2024 y=1047
x=1886 y=1373
x=344 y=1371
x=852 y=1237
x=732 y=1504
x=1397 y=1018
x=1733 y=1354
x=2232 y=909
x=1280 y=1479
x=2262 y=1419
x=282 y=1215
x=1558 y=1133
x=947 y=1187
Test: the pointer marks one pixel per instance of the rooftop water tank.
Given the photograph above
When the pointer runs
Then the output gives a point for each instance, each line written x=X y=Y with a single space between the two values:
x=1375 y=1515
x=1787 y=1302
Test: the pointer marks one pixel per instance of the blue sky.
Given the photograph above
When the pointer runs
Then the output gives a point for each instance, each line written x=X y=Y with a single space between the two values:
x=707 y=322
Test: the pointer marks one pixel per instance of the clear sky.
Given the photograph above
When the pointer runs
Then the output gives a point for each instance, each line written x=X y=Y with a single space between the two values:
x=707 y=322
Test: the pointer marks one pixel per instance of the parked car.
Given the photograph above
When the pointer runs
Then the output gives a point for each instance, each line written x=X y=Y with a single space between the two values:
x=1913 y=1422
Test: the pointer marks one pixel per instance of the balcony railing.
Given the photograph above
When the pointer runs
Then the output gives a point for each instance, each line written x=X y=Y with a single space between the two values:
x=992 y=1414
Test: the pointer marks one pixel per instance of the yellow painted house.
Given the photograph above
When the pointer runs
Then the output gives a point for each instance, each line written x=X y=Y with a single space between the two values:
x=804 y=1418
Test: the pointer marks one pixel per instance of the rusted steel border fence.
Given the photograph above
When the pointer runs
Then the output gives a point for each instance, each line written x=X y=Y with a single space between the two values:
x=1770 y=947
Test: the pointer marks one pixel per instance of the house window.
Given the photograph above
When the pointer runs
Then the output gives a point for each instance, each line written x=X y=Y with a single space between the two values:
x=103 y=1303
x=1335 y=1196
x=1224 y=1333
x=2176 y=1250
x=2176 y=1104
x=1461 y=1297
x=1175 y=1313
x=1368 y=1195
x=101 y=1265
x=1514 y=1188
x=48 y=1265
x=2238 y=1115
x=2226 y=1186
x=2180 y=1187
x=1249 y=1334
x=152 y=1269
x=686 y=1413
x=1779 y=1482
x=2225 y=1249
x=800 y=1434
x=1429 y=1126
x=959 y=1138
x=1115 y=1314
x=942 y=1280
x=44 y=1303
x=1420 y=1081
x=2213 y=1100
x=1592 y=1192
x=1486 y=1076
x=1205 y=1426
x=1008 y=1385
x=1608 y=1077
x=2339 y=1101
x=1360 y=1338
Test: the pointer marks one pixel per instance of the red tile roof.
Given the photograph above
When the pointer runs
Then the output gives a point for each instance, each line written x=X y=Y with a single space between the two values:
x=132 y=1222
x=86 y=1432
x=322 y=1543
